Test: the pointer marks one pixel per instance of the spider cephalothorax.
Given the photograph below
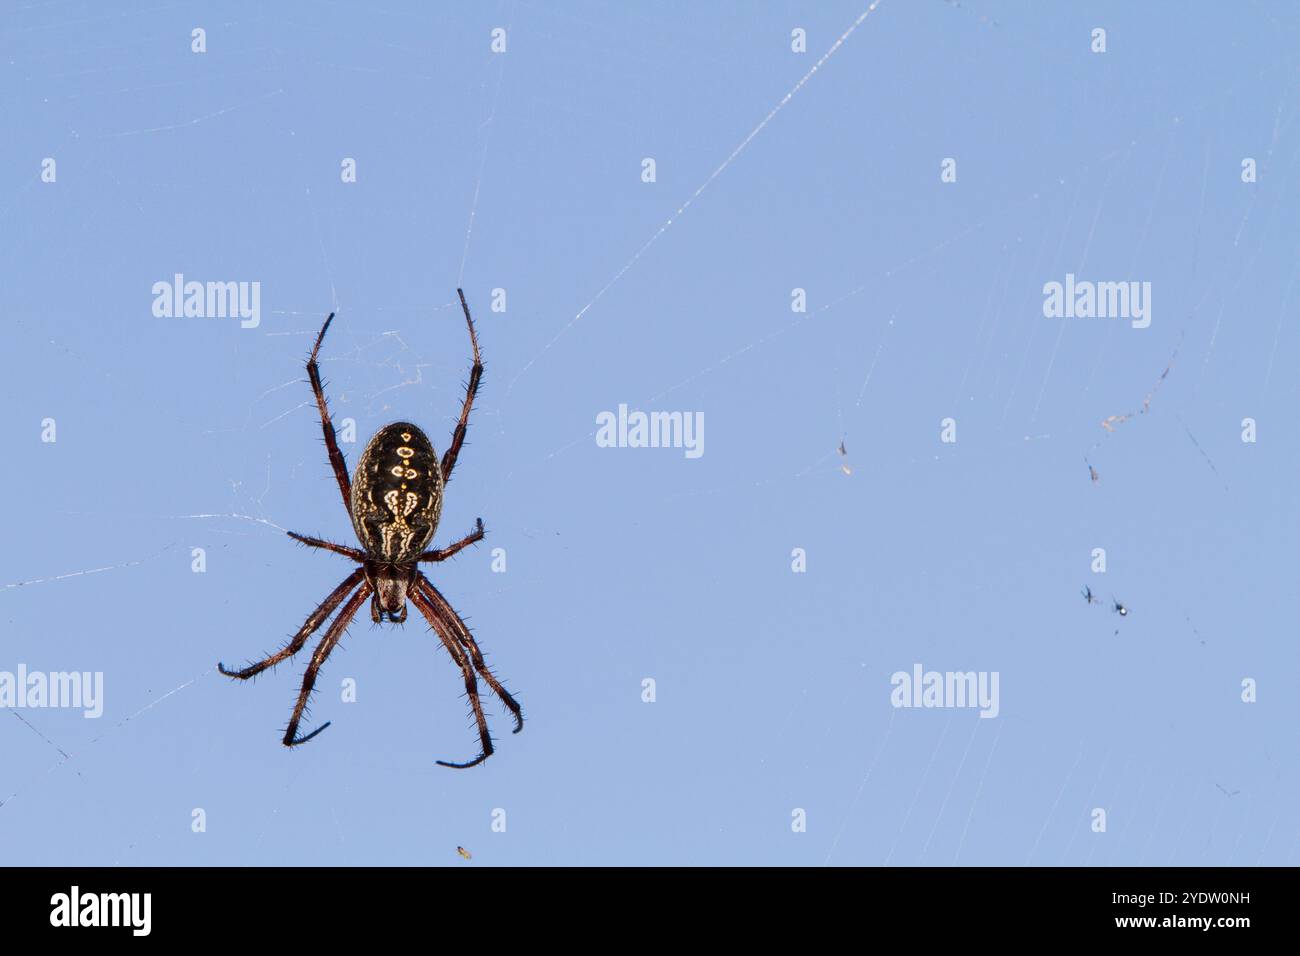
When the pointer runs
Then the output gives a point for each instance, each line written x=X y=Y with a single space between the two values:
x=395 y=501
x=391 y=584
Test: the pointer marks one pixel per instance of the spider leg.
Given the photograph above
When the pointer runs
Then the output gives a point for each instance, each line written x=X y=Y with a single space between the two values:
x=327 y=644
x=443 y=554
x=471 y=686
x=315 y=620
x=337 y=462
x=471 y=389
x=344 y=550
x=457 y=627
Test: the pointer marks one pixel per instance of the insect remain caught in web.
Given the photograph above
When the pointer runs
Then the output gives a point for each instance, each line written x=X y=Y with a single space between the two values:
x=394 y=500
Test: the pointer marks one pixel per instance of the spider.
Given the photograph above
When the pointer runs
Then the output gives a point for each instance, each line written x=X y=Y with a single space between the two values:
x=394 y=500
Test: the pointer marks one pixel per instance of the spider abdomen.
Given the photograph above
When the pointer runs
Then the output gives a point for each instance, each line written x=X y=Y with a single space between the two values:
x=397 y=493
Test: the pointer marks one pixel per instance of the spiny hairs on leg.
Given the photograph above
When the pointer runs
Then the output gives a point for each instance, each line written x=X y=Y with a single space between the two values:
x=303 y=739
x=337 y=462
x=318 y=658
x=471 y=685
x=442 y=607
x=442 y=554
x=471 y=390
x=309 y=627
x=314 y=542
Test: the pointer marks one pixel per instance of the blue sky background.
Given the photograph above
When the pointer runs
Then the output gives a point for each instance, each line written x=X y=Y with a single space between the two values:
x=924 y=302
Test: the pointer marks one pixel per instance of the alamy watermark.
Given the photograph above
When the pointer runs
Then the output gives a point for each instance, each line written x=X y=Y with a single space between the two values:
x=922 y=688
x=1102 y=300
x=651 y=430
x=75 y=689
x=75 y=908
x=208 y=300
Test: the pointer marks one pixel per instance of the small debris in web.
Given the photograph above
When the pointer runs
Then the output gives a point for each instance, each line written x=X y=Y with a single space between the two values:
x=844 y=465
x=1092 y=472
x=1111 y=421
x=1227 y=793
x=1089 y=596
x=1119 y=609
